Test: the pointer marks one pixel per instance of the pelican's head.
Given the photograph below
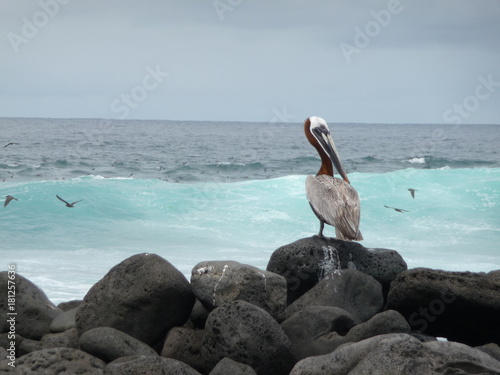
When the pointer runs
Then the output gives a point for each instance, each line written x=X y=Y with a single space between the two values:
x=319 y=136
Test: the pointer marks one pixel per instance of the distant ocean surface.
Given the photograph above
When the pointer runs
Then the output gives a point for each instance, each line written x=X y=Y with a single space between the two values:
x=194 y=191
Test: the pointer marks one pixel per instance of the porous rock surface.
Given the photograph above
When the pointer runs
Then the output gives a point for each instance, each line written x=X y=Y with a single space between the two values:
x=143 y=296
x=31 y=303
x=247 y=334
x=109 y=344
x=217 y=282
x=357 y=293
x=59 y=361
x=307 y=261
x=461 y=306
x=318 y=330
x=399 y=354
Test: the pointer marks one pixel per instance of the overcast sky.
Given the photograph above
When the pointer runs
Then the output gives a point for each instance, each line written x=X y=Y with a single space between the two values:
x=420 y=61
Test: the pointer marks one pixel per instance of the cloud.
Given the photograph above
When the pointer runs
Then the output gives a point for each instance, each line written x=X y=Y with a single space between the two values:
x=257 y=57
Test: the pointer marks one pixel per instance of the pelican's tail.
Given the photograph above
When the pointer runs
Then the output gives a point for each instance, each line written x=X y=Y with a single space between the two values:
x=357 y=237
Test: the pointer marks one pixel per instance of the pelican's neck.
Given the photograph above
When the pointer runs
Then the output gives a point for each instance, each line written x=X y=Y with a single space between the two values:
x=326 y=162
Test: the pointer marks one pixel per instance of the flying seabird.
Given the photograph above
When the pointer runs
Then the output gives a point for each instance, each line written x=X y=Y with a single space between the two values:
x=412 y=192
x=397 y=209
x=10 y=144
x=8 y=198
x=333 y=200
x=67 y=203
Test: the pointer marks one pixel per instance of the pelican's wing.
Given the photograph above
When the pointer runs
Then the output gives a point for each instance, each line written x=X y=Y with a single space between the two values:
x=76 y=202
x=337 y=203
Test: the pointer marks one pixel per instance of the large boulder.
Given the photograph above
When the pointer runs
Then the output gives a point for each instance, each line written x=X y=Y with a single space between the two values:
x=357 y=293
x=59 y=361
x=307 y=261
x=399 y=354
x=461 y=306
x=109 y=344
x=318 y=330
x=150 y=366
x=184 y=344
x=34 y=311
x=247 y=334
x=227 y=366
x=64 y=321
x=143 y=296
x=217 y=282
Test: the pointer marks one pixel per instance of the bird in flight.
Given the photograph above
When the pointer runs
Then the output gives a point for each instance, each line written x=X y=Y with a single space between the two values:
x=8 y=198
x=397 y=209
x=10 y=144
x=67 y=203
x=412 y=192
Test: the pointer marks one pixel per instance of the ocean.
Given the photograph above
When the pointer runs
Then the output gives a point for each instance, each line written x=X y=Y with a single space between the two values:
x=195 y=191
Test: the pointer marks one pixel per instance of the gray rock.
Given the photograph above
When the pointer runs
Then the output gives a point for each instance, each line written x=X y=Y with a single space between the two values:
x=307 y=261
x=357 y=293
x=318 y=330
x=399 y=354
x=491 y=349
x=34 y=310
x=150 y=366
x=199 y=315
x=184 y=344
x=27 y=346
x=109 y=344
x=69 y=305
x=217 y=282
x=143 y=296
x=247 y=334
x=66 y=339
x=227 y=366
x=59 y=361
x=63 y=321
x=461 y=306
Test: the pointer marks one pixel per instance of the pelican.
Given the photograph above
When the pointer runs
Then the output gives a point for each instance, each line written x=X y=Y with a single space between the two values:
x=333 y=200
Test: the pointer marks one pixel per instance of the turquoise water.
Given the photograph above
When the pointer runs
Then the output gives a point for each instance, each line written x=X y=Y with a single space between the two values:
x=453 y=223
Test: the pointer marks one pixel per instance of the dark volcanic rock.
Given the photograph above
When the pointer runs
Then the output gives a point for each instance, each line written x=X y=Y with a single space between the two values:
x=357 y=293
x=66 y=339
x=64 y=321
x=461 y=306
x=305 y=262
x=184 y=344
x=109 y=344
x=217 y=282
x=247 y=334
x=59 y=361
x=34 y=310
x=320 y=330
x=199 y=314
x=149 y=366
x=399 y=354
x=69 y=305
x=227 y=366
x=143 y=296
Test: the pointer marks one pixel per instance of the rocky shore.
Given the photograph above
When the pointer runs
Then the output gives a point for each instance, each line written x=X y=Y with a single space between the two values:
x=322 y=306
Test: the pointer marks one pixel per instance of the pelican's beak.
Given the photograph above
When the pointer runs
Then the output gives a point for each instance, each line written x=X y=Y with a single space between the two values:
x=325 y=139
